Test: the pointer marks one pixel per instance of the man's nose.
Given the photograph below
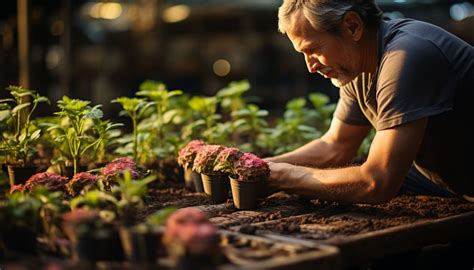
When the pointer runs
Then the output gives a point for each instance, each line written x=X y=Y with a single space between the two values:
x=312 y=63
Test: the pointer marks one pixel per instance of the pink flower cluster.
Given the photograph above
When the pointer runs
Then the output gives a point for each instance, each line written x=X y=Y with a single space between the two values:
x=187 y=154
x=118 y=166
x=225 y=160
x=205 y=158
x=79 y=181
x=189 y=230
x=51 y=181
x=249 y=167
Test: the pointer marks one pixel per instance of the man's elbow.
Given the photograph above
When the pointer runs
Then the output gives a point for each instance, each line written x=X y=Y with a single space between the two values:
x=381 y=188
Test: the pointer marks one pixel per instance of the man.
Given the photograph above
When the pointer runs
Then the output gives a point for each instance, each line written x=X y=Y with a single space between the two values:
x=412 y=81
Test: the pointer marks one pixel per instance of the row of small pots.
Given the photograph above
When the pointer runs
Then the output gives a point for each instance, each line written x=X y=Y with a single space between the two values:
x=245 y=194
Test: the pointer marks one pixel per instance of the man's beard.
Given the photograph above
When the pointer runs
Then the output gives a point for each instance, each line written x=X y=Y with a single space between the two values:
x=343 y=78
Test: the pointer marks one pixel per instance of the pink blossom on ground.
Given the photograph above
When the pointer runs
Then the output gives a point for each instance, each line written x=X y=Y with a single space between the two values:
x=16 y=188
x=251 y=167
x=189 y=229
x=79 y=181
x=51 y=181
x=205 y=158
x=187 y=154
x=118 y=166
x=226 y=158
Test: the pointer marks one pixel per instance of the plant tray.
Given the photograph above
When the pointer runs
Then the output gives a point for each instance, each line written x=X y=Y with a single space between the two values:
x=253 y=252
x=364 y=232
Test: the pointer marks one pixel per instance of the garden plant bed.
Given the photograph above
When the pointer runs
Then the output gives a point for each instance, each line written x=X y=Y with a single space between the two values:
x=365 y=232
x=240 y=251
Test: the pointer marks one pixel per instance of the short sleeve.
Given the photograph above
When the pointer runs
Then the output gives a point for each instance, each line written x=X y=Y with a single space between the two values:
x=415 y=81
x=347 y=109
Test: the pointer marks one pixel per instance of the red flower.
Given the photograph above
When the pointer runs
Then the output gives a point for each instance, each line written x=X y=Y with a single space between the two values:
x=205 y=158
x=51 y=181
x=79 y=181
x=118 y=166
x=187 y=154
x=249 y=167
x=189 y=229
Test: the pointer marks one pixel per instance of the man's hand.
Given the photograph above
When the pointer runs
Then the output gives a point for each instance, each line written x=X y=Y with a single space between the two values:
x=278 y=180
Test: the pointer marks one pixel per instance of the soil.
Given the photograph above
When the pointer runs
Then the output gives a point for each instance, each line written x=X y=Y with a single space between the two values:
x=339 y=220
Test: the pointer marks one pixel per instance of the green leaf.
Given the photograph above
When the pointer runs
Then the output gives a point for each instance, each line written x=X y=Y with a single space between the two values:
x=5 y=114
x=318 y=99
x=19 y=107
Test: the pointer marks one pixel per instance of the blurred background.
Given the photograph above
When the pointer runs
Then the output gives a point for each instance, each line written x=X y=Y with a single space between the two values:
x=99 y=50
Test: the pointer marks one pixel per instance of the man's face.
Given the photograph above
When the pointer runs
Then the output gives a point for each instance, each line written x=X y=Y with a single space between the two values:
x=332 y=56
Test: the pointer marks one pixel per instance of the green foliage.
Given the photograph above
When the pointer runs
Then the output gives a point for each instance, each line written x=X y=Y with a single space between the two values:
x=161 y=124
x=249 y=124
x=16 y=132
x=231 y=96
x=135 y=108
x=79 y=116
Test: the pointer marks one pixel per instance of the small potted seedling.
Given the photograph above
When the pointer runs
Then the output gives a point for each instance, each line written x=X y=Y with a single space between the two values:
x=216 y=184
x=191 y=240
x=19 y=224
x=115 y=169
x=249 y=172
x=93 y=235
x=81 y=181
x=50 y=181
x=17 y=135
x=186 y=157
x=142 y=242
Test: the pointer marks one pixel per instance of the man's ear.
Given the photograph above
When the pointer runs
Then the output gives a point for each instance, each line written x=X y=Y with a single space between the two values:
x=352 y=25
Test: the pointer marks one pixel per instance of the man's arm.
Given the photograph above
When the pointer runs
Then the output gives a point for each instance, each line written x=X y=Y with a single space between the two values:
x=334 y=149
x=376 y=181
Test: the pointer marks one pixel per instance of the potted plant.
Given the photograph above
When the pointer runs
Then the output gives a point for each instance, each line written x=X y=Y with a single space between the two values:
x=135 y=108
x=81 y=181
x=191 y=240
x=186 y=156
x=111 y=173
x=93 y=235
x=51 y=181
x=142 y=242
x=216 y=184
x=249 y=173
x=80 y=116
x=19 y=224
x=18 y=137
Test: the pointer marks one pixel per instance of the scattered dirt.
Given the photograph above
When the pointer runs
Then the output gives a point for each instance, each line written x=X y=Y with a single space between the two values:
x=338 y=220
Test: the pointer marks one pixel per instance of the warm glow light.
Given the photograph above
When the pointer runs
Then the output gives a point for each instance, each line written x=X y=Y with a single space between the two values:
x=110 y=11
x=95 y=11
x=221 y=67
x=176 y=13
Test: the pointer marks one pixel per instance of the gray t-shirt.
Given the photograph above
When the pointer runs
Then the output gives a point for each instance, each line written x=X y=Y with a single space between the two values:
x=424 y=71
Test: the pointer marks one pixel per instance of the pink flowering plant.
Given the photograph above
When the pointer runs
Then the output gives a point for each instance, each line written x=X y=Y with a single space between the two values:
x=205 y=159
x=250 y=167
x=51 y=181
x=189 y=232
x=188 y=153
x=81 y=181
x=117 y=167
x=226 y=158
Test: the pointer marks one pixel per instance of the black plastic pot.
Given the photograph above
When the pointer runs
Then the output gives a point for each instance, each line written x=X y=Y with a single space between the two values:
x=216 y=186
x=142 y=245
x=188 y=179
x=19 y=175
x=197 y=181
x=17 y=241
x=102 y=245
x=245 y=194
